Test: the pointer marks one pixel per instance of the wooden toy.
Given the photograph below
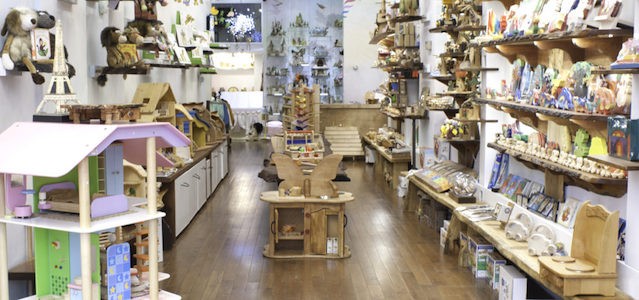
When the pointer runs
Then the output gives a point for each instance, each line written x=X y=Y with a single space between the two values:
x=104 y=113
x=591 y=267
x=520 y=227
x=64 y=244
x=542 y=241
x=158 y=102
x=318 y=183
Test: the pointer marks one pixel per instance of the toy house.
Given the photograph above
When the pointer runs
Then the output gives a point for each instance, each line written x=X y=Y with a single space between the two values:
x=159 y=102
x=66 y=245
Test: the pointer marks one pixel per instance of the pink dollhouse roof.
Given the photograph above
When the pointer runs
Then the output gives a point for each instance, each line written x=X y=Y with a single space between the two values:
x=53 y=149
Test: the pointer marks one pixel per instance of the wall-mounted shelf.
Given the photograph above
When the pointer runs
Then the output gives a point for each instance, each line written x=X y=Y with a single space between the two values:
x=474 y=121
x=536 y=116
x=616 y=162
x=453 y=54
x=455 y=29
x=441 y=78
x=450 y=112
x=380 y=36
x=614 y=71
x=478 y=69
x=404 y=19
x=592 y=182
x=603 y=42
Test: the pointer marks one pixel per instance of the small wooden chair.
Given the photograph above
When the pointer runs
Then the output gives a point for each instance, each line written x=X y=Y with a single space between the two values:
x=591 y=267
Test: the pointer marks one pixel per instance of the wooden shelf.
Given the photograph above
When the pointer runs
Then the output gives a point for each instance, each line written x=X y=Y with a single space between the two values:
x=478 y=69
x=450 y=112
x=121 y=71
x=616 y=162
x=403 y=116
x=170 y=66
x=405 y=47
x=604 y=42
x=455 y=29
x=474 y=121
x=537 y=116
x=456 y=94
x=380 y=36
x=614 y=71
x=453 y=54
x=442 y=78
x=592 y=182
x=404 y=19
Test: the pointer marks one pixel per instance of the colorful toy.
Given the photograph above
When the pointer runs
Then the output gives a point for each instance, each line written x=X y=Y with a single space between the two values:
x=17 y=47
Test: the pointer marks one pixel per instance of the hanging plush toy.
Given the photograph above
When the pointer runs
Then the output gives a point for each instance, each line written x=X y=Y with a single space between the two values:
x=17 y=48
x=47 y=21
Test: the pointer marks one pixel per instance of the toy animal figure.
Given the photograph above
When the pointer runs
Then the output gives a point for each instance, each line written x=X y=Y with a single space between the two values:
x=17 y=47
x=542 y=241
x=133 y=36
x=110 y=37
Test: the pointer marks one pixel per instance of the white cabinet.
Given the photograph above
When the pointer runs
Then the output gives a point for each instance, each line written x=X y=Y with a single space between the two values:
x=199 y=179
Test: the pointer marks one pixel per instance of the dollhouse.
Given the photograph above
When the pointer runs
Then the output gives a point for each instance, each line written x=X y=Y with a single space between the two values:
x=50 y=152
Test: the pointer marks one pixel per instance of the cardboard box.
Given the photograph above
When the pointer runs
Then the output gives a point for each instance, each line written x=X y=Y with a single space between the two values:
x=512 y=283
x=446 y=224
x=479 y=251
x=463 y=248
x=623 y=138
x=494 y=261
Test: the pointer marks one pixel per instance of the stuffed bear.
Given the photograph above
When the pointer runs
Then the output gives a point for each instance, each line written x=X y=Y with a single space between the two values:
x=133 y=36
x=110 y=37
x=47 y=21
x=17 y=48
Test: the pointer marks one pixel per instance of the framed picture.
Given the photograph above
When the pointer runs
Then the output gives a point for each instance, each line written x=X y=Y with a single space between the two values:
x=40 y=44
x=567 y=212
x=181 y=55
x=184 y=36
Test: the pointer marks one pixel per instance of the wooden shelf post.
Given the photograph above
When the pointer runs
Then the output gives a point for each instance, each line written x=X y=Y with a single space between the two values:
x=151 y=194
x=85 y=222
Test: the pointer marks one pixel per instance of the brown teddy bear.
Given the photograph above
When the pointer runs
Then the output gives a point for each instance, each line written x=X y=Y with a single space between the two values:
x=17 y=48
x=111 y=37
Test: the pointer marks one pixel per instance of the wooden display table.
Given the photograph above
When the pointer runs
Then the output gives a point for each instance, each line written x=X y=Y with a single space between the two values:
x=306 y=227
x=389 y=164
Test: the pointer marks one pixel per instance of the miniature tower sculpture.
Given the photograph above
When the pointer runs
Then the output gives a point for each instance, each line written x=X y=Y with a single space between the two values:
x=59 y=92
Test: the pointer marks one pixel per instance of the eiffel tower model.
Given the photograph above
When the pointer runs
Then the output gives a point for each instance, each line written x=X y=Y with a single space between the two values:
x=59 y=93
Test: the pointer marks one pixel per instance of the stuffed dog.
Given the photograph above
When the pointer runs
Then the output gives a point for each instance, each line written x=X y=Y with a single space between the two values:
x=47 y=21
x=17 y=48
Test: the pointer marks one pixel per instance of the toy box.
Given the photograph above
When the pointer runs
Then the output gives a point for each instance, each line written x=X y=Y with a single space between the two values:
x=479 y=251
x=623 y=138
x=512 y=283
x=494 y=261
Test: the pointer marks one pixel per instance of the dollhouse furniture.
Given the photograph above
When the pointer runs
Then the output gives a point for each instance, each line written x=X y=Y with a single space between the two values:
x=306 y=226
x=591 y=267
x=69 y=146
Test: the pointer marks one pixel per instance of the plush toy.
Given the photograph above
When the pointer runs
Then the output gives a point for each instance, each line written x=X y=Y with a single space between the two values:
x=47 y=21
x=133 y=36
x=110 y=37
x=17 y=48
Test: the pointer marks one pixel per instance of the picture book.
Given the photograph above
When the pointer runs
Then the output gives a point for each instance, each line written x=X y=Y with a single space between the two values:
x=567 y=212
x=40 y=44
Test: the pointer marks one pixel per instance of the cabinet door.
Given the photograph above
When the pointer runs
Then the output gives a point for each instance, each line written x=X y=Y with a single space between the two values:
x=322 y=222
x=207 y=174
x=225 y=160
x=220 y=165
x=199 y=179
x=215 y=179
x=184 y=202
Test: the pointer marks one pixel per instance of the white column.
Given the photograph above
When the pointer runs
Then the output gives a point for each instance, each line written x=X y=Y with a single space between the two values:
x=151 y=194
x=85 y=223
x=4 y=268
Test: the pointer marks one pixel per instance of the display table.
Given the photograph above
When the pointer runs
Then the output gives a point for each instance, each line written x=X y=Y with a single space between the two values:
x=306 y=227
x=389 y=165
x=516 y=252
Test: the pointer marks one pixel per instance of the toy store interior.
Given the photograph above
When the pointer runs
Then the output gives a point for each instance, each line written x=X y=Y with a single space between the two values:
x=319 y=149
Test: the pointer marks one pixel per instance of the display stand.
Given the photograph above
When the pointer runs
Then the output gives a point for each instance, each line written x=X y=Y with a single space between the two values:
x=306 y=226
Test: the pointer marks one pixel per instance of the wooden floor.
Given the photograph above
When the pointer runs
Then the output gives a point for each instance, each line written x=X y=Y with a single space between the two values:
x=394 y=256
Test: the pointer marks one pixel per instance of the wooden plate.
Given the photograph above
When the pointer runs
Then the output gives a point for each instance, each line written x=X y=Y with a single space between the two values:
x=580 y=268
x=563 y=259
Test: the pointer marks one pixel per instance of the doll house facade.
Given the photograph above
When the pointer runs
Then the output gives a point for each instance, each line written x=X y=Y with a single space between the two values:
x=67 y=244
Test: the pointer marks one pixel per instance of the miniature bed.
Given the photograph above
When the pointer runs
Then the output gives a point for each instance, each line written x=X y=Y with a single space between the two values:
x=53 y=150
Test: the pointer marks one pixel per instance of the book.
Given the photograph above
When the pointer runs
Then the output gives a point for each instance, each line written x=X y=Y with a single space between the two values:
x=567 y=212
x=40 y=44
x=495 y=171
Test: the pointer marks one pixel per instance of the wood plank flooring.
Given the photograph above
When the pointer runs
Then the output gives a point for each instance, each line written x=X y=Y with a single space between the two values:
x=394 y=256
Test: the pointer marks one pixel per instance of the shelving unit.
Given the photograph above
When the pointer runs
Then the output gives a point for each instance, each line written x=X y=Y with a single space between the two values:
x=71 y=145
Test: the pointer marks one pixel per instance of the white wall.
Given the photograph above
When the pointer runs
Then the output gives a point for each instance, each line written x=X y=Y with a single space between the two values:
x=359 y=56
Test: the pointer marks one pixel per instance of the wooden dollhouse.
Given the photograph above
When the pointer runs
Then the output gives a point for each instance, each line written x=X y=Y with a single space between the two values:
x=66 y=244
x=158 y=102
